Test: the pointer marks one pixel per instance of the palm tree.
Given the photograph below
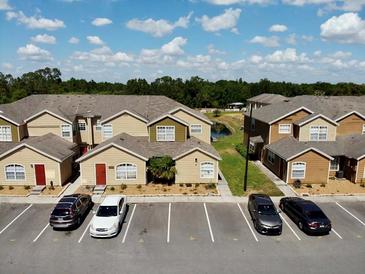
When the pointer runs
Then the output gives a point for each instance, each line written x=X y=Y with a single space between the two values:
x=162 y=169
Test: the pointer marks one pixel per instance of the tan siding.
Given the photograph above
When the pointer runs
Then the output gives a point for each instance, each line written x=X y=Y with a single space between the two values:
x=23 y=132
x=66 y=170
x=317 y=167
x=44 y=124
x=111 y=157
x=98 y=138
x=261 y=129
x=28 y=157
x=191 y=120
x=84 y=138
x=126 y=123
x=350 y=125
x=275 y=136
x=304 y=133
x=188 y=171
x=361 y=171
x=180 y=130
x=14 y=129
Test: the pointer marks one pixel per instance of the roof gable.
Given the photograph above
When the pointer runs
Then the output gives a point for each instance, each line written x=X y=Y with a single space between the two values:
x=48 y=112
x=199 y=117
x=168 y=116
x=125 y=111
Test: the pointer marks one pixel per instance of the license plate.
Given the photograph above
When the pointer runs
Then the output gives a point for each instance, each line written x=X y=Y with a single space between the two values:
x=321 y=226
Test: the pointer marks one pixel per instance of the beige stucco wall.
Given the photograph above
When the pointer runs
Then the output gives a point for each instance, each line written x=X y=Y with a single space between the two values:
x=361 y=171
x=84 y=136
x=44 y=124
x=66 y=170
x=111 y=157
x=98 y=138
x=191 y=120
x=304 y=132
x=28 y=157
x=189 y=172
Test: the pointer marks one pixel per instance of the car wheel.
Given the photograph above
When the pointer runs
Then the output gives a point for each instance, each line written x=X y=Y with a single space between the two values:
x=78 y=221
x=300 y=224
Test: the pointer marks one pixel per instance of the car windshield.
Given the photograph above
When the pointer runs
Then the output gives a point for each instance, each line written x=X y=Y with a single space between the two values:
x=107 y=211
x=266 y=209
x=316 y=214
x=61 y=211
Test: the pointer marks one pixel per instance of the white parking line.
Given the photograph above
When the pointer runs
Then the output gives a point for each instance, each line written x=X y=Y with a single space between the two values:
x=168 y=224
x=40 y=233
x=243 y=214
x=129 y=223
x=350 y=214
x=86 y=229
x=338 y=235
x=210 y=228
x=292 y=230
x=16 y=218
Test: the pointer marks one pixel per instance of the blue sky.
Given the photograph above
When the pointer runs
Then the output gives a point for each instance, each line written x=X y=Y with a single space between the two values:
x=115 y=40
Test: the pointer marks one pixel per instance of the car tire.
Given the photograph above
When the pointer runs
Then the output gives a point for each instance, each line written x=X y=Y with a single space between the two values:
x=300 y=225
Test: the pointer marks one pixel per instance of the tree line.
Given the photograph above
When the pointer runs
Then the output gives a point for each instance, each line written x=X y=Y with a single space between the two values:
x=194 y=92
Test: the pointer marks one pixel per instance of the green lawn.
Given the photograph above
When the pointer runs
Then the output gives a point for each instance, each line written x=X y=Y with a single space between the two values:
x=233 y=164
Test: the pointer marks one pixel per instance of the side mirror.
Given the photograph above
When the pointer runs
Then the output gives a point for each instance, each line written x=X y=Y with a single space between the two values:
x=94 y=211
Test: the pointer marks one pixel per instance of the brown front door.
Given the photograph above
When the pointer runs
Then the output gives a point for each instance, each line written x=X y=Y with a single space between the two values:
x=100 y=174
x=40 y=175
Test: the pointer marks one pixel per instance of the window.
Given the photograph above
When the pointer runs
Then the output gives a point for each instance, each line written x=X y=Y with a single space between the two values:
x=270 y=157
x=5 y=134
x=318 y=133
x=363 y=129
x=98 y=126
x=165 y=133
x=107 y=131
x=196 y=129
x=335 y=164
x=82 y=126
x=126 y=172
x=284 y=128
x=298 y=170
x=253 y=124
x=66 y=131
x=15 y=172
x=206 y=170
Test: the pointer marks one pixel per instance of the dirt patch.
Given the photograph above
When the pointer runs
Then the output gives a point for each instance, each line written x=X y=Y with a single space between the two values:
x=52 y=191
x=85 y=190
x=333 y=187
x=162 y=189
x=15 y=190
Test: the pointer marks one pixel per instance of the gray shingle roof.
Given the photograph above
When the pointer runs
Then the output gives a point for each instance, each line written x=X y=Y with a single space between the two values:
x=267 y=98
x=69 y=106
x=50 y=144
x=142 y=146
x=333 y=107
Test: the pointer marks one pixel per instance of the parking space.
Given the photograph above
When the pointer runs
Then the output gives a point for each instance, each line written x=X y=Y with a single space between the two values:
x=9 y=213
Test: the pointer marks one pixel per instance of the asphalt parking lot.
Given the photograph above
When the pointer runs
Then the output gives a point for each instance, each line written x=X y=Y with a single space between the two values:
x=181 y=238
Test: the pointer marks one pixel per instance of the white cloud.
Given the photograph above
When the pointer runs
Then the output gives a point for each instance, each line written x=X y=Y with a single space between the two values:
x=35 y=22
x=286 y=56
x=103 y=55
x=226 y=20
x=95 y=40
x=212 y=50
x=256 y=59
x=341 y=54
x=158 y=28
x=278 y=28
x=174 y=46
x=44 y=38
x=231 y=2
x=346 y=28
x=307 y=38
x=74 y=40
x=270 y=42
x=292 y=39
x=4 y=5
x=329 y=5
x=7 y=66
x=101 y=22
x=34 y=53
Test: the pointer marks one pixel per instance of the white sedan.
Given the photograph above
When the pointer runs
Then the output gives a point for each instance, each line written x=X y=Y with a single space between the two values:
x=109 y=217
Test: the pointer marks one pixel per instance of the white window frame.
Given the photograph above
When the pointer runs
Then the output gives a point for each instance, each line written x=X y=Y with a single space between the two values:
x=98 y=125
x=66 y=131
x=15 y=172
x=316 y=130
x=297 y=164
x=363 y=129
x=109 y=134
x=80 y=127
x=281 y=131
x=5 y=136
x=199 y=126
x=163 y=136
x=271 y=157
x=211 y=170
x=130 y=167
x=337 y=161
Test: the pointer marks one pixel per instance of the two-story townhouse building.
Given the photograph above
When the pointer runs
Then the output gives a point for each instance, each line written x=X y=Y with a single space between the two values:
x=310 y=138
x=115 y=135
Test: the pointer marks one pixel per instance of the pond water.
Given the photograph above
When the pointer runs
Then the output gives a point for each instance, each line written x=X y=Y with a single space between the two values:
x=219 y=130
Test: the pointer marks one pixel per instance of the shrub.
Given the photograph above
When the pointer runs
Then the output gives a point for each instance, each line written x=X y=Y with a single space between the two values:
x=51 y=187
x=112 y=188
x=297 y=184
x=185 y=193
x=11 y=187
x=164 y=189
x=216 y=113
x=1 y=187
x=188 y=185
x=162 y=168
x=241 y=149
x=181 y=185
x=139 y=186
x=210 y=186
x=323 y=185
x=309 y=186
x=197 y=185
x=123 y=187
x=87 y=187
x=26 y=187
x=195 y=192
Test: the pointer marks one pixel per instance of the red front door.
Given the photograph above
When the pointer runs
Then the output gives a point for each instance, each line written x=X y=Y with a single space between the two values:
x=100 y=174
x=40 y=175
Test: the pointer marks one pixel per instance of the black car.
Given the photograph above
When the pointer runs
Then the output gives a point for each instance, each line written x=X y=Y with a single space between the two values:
x=306 y=214
x=264 y=215
x=70 y=211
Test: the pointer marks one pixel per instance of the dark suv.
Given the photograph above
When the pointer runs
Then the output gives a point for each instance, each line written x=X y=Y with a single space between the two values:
x=306 y=214
x=70 y=211
x=264 y=214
